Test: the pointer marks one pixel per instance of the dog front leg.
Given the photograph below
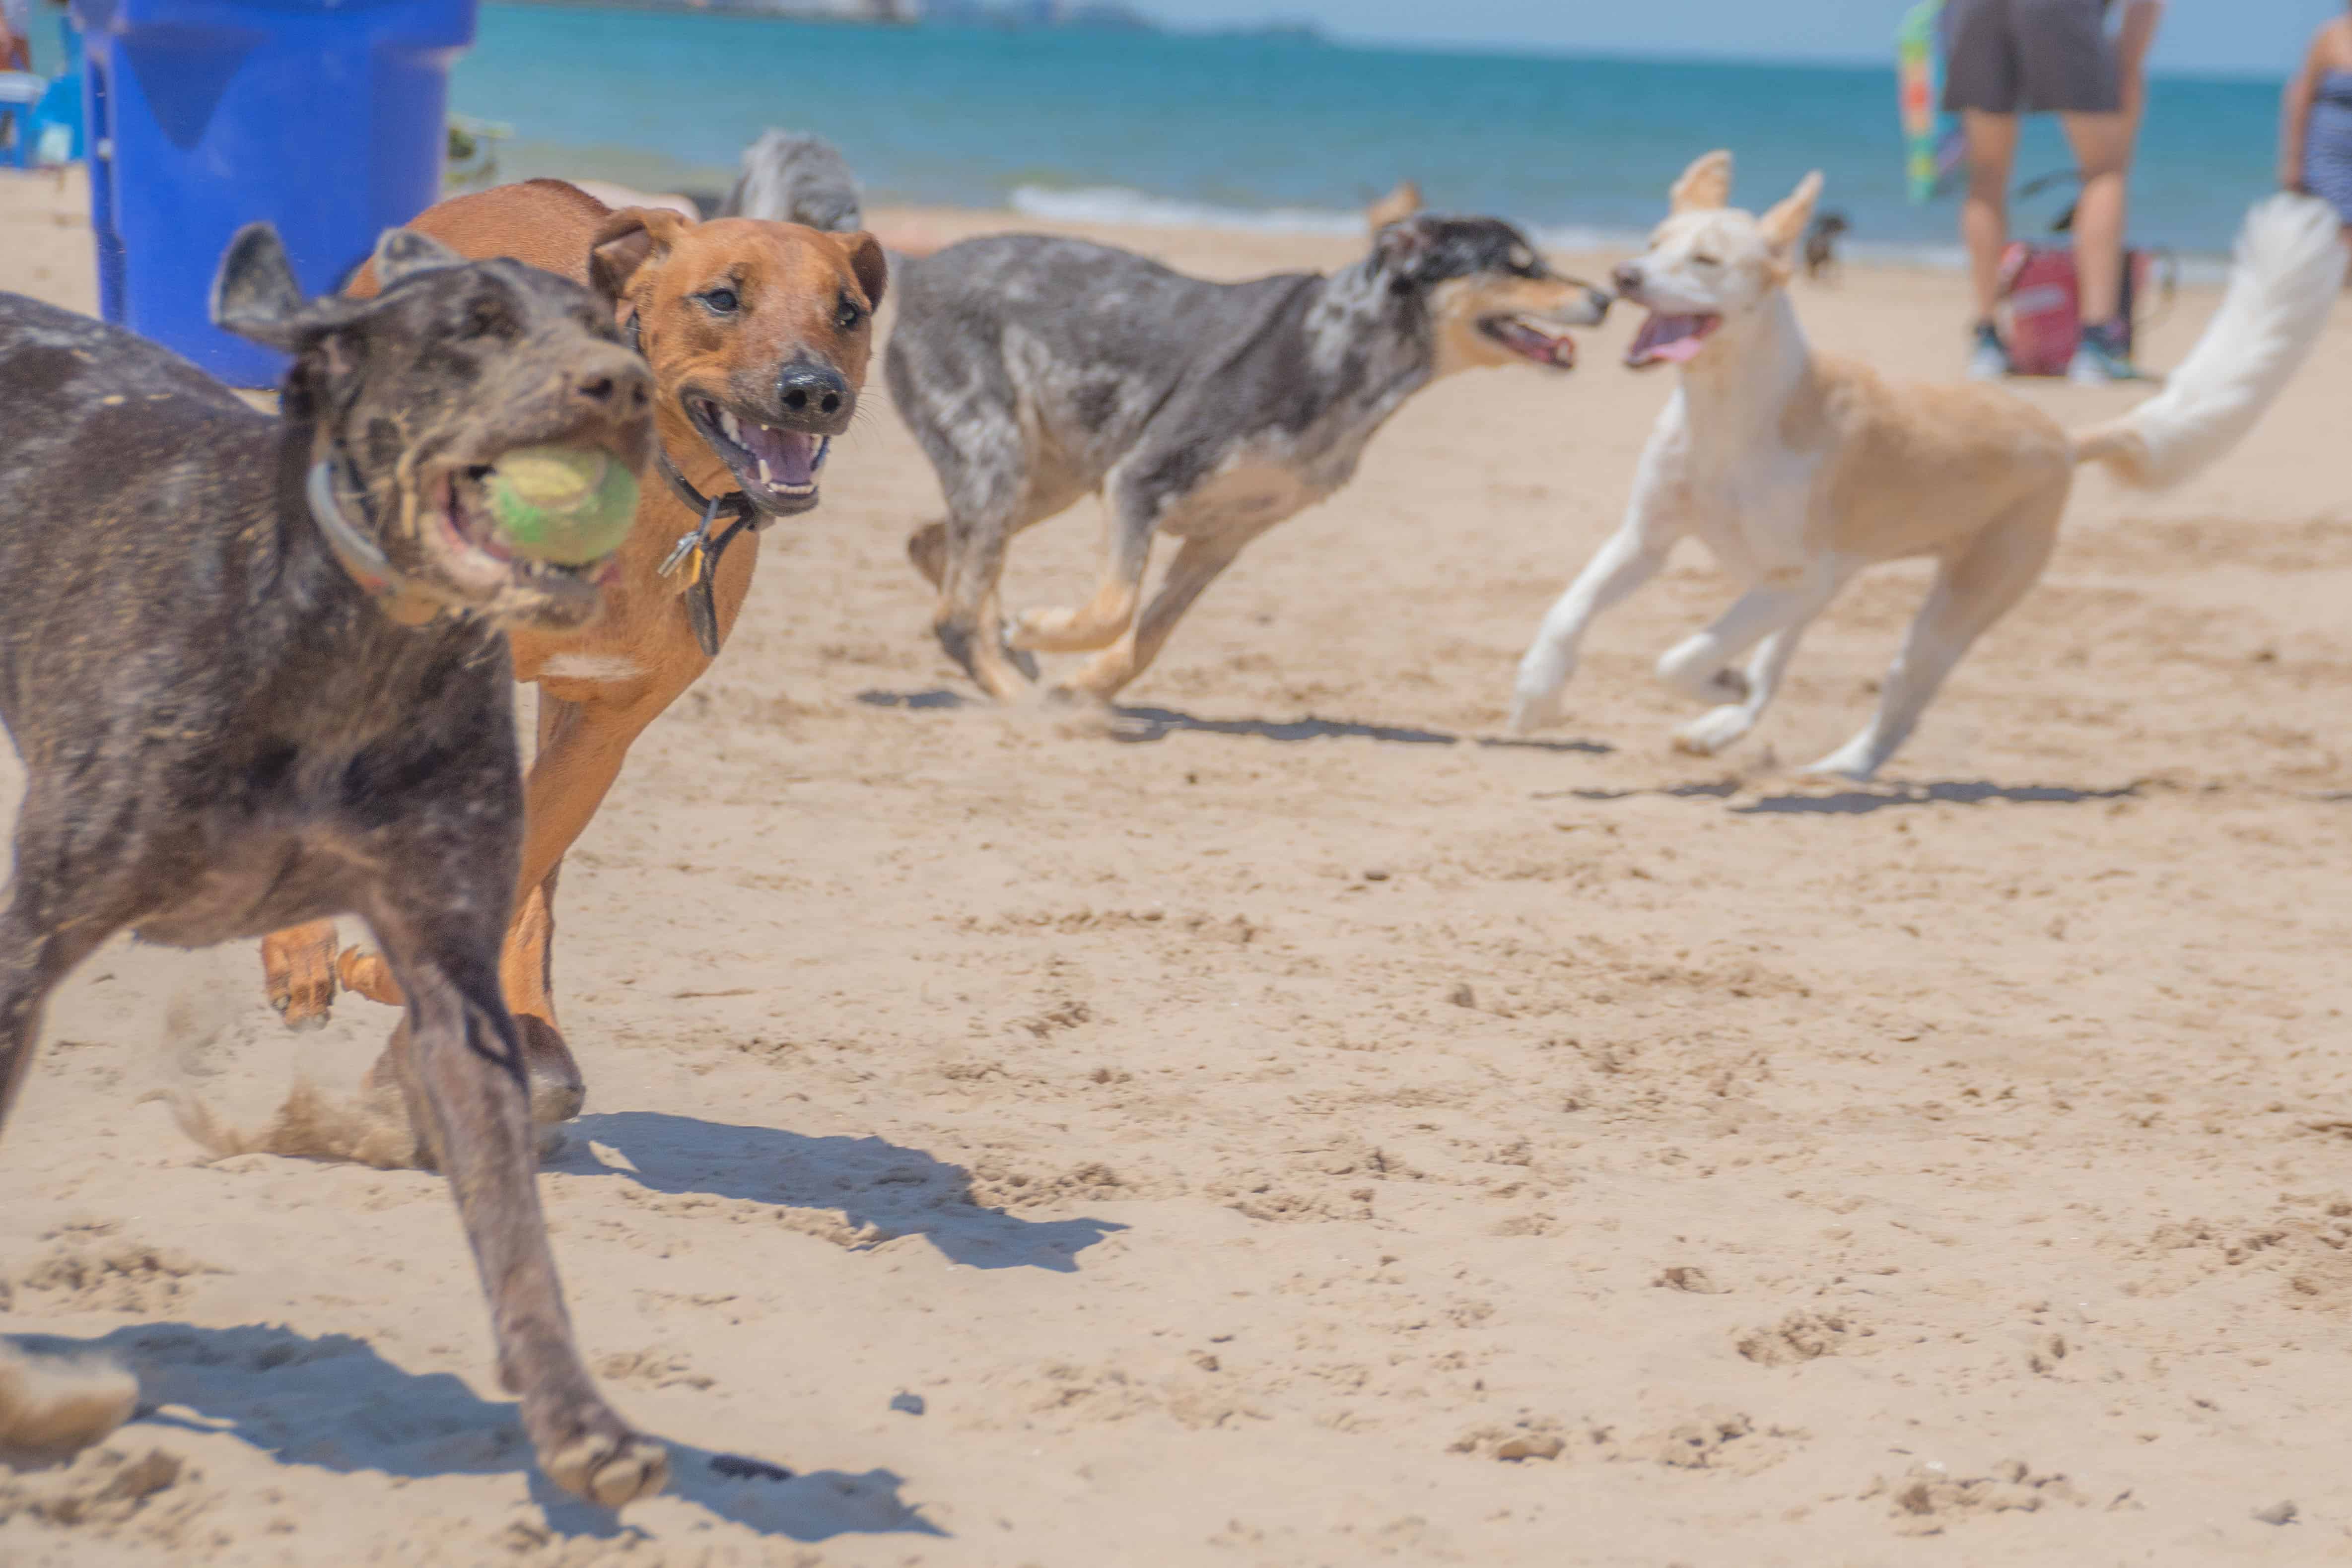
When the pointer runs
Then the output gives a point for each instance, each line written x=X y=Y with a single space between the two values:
x=1699 y=666
x=1106 y=618
x=1626 y=560
x=1719 y=728
x=582 y=746
x=1198 y=564
x=54 y=913
x=467 y=1092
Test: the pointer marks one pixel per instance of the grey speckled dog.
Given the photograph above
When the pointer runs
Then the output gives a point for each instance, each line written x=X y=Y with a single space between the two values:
x=254 y=667
x=1034 y=369
x=790 y=178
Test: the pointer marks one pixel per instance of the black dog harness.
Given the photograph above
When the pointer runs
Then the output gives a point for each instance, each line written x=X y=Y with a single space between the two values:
x=696 y=550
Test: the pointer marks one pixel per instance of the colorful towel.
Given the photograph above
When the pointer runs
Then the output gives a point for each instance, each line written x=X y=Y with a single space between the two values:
x=1933 y=154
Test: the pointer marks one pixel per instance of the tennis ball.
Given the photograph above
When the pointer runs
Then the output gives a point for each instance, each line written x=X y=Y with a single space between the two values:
x=565 y=504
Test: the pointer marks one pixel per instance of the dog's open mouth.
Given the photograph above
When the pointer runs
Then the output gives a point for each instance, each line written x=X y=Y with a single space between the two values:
x=1531 y=341
x=1669 y=340
x=476 y=548
x=776 y=468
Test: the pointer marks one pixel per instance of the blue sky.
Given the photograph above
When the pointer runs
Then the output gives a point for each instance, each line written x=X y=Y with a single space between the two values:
x=2233 y=36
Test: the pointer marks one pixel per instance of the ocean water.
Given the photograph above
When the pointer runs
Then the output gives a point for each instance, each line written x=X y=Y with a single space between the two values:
x=1280 y=132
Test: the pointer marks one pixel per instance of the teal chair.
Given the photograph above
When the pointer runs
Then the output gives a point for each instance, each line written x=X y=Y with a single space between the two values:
x=40 y=117
x=19 y=92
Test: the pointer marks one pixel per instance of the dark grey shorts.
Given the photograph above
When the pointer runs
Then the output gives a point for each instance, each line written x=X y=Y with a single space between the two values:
x=2039 y=57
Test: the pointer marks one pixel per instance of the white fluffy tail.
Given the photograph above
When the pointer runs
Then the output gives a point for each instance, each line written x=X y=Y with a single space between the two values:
x=2284 y=280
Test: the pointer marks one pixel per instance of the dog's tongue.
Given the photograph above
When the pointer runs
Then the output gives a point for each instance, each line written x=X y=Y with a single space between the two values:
x=1667 y=338
x=783 y=459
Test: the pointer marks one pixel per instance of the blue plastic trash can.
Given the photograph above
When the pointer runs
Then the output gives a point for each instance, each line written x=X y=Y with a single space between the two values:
x=326 y=118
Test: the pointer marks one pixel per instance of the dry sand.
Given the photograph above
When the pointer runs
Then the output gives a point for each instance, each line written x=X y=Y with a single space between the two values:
x=1311 y=1130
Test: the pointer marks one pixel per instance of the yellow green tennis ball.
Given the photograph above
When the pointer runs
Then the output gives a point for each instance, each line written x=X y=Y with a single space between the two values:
x=566 y=505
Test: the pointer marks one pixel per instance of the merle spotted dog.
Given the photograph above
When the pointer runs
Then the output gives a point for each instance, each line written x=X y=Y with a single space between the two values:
x=1034 y=369
x=255 y=670
x=791 y=178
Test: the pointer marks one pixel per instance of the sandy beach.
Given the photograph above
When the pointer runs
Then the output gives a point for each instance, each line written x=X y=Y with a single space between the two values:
x=1307 y=1128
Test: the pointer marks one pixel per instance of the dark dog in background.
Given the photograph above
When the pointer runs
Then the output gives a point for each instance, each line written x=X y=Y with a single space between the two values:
x=1034 y=369
x=257 y=671
x=790 y=177
x=1821 y=245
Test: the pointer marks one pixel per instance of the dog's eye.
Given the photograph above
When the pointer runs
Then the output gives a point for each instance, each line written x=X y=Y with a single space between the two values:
x=720 y=301
x=847 y=315
x=1705 y=261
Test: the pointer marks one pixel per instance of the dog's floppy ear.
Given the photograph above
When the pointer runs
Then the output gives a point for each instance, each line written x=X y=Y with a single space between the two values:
x=1704 y=187
x=1784 y=225
x=869 y=264
x=255 y=296
x=628 y=239
x=403 y=251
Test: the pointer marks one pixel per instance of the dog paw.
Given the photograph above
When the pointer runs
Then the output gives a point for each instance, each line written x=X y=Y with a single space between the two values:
x=1536 y=707
x=1694 y=667
x=1714 y=730
x=366 y=974
x=557 y=1089
x=299 y=967
x=1851 y=763
x=1020 y=658
x=613 y=1468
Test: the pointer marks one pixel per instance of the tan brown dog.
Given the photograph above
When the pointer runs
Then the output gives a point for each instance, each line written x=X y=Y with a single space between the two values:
x=758 y=334
x=1799 y=470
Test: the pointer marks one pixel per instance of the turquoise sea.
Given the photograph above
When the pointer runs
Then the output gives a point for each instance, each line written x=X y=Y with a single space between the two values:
x=1275 y=131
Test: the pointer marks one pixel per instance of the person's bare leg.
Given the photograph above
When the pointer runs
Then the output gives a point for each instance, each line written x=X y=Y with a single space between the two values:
x=1984 y=211
x=2101 y=145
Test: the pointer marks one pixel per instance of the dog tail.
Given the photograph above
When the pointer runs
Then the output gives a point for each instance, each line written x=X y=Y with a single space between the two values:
x=2283 y=281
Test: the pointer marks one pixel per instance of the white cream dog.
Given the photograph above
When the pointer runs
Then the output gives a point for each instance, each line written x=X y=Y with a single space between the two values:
x=1798 y=471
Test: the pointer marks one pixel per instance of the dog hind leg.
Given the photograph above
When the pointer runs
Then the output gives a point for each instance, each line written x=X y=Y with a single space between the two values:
x=1626 y=560
x=970 y=621
x=1971 y=593
x=982 y=457
x=926 y=547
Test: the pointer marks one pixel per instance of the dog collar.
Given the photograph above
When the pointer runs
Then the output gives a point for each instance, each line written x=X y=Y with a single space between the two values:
x=359 y=555
x=696 y=548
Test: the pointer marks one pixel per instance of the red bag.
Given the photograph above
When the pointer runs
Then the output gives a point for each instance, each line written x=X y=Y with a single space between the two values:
x=2043 y=304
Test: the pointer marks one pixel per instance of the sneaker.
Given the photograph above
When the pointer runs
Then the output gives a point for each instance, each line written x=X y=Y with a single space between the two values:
x=1989 y=360
x=2100 y=360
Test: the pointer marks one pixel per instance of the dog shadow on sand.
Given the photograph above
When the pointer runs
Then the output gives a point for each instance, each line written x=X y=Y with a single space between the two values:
x=331 y=1402
x=1861 y=800
x=881 y=1188
x=1141 y=726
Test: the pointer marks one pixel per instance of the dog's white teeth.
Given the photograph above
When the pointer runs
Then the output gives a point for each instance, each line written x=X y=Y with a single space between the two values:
x=729 y=425
x=765 y=477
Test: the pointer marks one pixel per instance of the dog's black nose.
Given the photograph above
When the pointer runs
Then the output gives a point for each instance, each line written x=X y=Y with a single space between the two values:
x=813 y=397
x=1626 y=278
